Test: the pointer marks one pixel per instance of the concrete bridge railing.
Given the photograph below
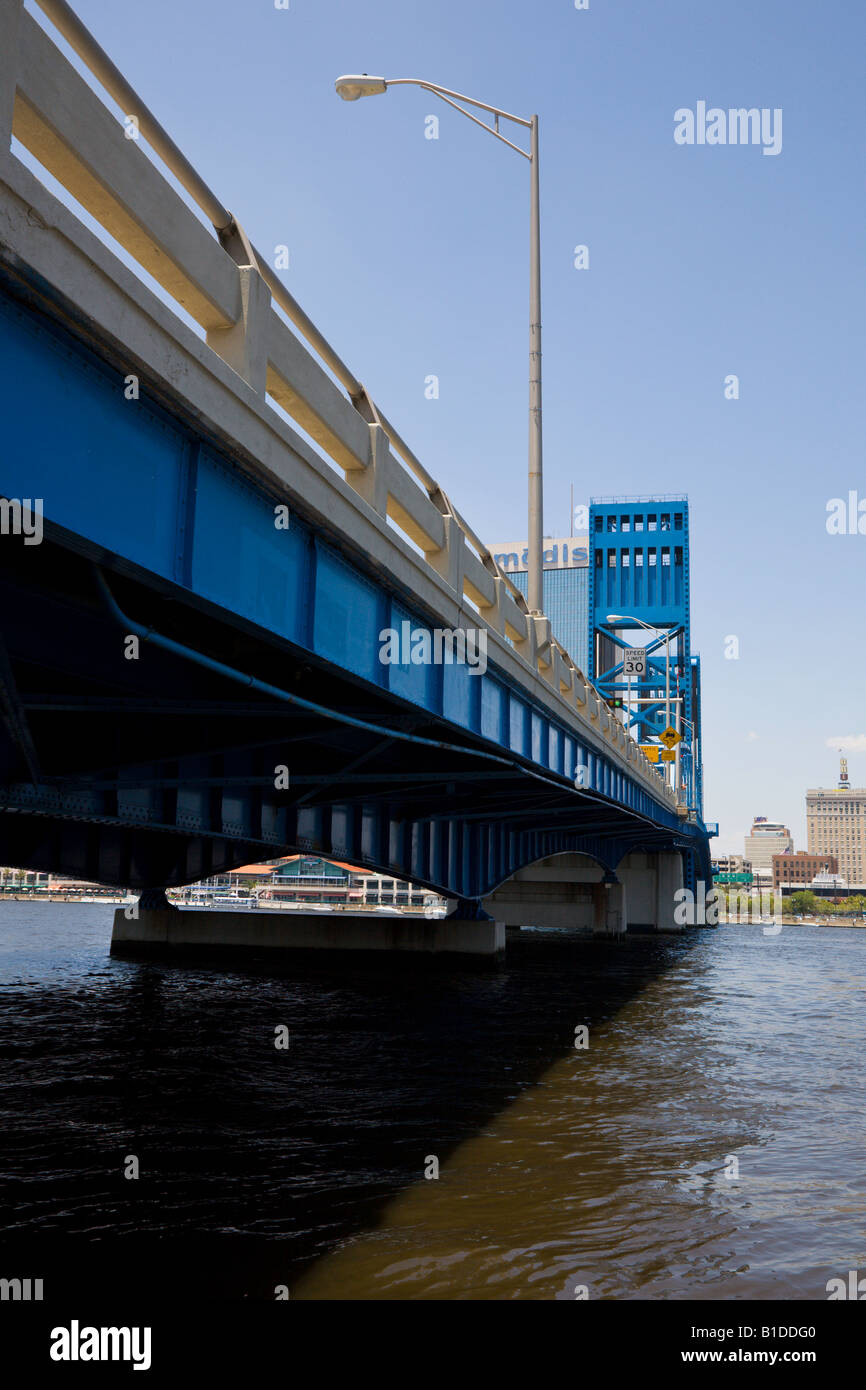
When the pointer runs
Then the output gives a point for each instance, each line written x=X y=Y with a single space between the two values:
x=234 y=296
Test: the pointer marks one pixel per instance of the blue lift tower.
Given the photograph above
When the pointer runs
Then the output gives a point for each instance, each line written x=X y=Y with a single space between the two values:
x=639 y=598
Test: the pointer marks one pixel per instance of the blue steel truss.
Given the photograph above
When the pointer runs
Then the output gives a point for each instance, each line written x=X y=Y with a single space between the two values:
x=639 y=570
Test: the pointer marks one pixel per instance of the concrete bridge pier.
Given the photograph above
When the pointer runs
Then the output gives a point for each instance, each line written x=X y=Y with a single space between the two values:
x=576 y=891
x=669 y=880
x=651 y=879
x=153 y=926
x=559 y=891
x=609 y=911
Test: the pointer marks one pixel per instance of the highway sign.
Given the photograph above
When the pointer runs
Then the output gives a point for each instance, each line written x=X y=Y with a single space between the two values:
x=667 y=755
x=651 y=750
x=634 y=662
x=670 y=738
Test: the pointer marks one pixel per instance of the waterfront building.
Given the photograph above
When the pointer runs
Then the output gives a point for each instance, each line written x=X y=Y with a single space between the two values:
x=307 y=878
x=15 y=882
x=798 y=869
x=383 y=890
x=765 y=839
x=836 y=825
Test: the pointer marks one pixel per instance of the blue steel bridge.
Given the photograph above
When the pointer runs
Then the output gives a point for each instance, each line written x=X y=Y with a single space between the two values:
x=190 y=673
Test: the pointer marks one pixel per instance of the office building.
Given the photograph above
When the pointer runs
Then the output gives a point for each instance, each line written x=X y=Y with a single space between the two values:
x=797 y=870
x=732 y=864
x=836 y=825
x=766 y=839
x=732 y=868
x=566 y=588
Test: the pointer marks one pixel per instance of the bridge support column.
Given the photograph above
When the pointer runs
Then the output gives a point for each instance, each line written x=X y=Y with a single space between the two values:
x=609 y=907
x=154 y=900
x=10 y=15
x=669 y=878
x=467 y=910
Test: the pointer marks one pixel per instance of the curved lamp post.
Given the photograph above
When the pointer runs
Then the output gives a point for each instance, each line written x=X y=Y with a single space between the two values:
x=351 y=88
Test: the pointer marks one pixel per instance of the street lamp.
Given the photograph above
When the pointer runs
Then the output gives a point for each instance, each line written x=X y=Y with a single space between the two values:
x=350 y=88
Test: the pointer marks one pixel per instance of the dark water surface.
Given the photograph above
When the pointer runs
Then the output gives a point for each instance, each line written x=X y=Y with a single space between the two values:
x=558 y=1167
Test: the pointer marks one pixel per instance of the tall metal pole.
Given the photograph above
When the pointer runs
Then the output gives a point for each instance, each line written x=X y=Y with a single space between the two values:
x=535 y=583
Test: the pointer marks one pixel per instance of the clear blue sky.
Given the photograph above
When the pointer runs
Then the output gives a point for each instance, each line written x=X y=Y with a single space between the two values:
x=412 y=256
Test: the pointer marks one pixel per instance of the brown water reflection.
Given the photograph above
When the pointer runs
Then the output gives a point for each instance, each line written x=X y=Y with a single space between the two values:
x=604 y=1168
x=610 y=1172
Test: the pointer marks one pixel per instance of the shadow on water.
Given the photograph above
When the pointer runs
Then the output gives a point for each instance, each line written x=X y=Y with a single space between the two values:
x=256 y=1162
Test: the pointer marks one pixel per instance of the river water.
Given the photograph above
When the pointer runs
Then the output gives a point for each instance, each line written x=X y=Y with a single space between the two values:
x=707 y=1143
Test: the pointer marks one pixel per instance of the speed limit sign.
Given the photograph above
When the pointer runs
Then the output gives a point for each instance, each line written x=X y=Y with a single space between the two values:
x=634 y=662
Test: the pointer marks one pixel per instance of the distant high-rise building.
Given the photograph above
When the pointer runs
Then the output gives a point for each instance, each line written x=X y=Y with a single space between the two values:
x=766 y=839
x=566 y=588
x=836 y=825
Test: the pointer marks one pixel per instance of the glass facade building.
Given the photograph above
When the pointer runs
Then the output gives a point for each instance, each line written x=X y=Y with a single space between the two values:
x=566 y=603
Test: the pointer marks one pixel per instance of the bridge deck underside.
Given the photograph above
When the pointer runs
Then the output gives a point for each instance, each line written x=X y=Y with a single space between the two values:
x=157 y=771
x=152 y=769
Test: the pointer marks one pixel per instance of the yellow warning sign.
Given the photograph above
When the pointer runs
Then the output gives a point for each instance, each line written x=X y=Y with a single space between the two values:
x=667 y=755
x=651 y=750
x=670 y=738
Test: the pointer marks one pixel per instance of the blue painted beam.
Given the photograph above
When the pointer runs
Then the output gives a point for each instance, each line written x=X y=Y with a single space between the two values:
x=141 y=489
